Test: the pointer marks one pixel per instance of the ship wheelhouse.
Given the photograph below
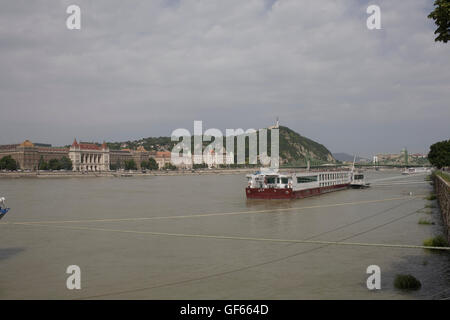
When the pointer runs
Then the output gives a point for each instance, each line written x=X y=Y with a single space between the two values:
x=269 y=180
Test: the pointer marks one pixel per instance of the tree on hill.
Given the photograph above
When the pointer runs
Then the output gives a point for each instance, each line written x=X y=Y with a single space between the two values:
x=441 y=16
x=439 y=155
x=8 y=163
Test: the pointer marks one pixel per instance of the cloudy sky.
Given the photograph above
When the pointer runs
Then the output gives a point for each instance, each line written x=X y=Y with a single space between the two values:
x=144 y=68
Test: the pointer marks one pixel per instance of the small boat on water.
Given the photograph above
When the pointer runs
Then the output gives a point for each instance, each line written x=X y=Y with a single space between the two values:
x=416 y=170
x=3 y=209
x=359 y=181
x=271 y=184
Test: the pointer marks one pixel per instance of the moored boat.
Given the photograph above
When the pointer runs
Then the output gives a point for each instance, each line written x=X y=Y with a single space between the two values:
x=3 y=209
x=415 y=170
x=271 y=184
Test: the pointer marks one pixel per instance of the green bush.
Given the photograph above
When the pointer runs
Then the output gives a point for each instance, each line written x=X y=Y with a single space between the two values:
x=8 y=163
x=425 y=221
x=152 y=164
x=130 y=165
x=432 y=196
x=438 y=241
x=406 y=282
x=169 y=166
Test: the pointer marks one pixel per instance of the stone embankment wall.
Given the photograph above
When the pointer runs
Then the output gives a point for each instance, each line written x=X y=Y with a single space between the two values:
x=442 y=188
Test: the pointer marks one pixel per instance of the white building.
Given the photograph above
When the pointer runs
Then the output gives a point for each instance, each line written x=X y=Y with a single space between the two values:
x=89 y=156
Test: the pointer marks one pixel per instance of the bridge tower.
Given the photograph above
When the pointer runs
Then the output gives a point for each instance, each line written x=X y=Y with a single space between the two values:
x=405 y=153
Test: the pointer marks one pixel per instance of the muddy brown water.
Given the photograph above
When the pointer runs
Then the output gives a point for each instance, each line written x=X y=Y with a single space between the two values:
x=181 y=237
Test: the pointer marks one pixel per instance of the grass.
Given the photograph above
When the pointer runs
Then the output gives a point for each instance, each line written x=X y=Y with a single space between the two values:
x=438 y=241
x=432 y=205
x=406 y=282
x=425 y=210
x=431 y=196
x=443 y=175
x=425 y=221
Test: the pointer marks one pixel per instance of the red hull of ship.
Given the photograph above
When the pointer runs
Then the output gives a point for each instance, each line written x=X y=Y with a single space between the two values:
x=255 y=193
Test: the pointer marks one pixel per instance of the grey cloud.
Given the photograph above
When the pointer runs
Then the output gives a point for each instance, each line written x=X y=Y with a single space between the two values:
x=142 y=68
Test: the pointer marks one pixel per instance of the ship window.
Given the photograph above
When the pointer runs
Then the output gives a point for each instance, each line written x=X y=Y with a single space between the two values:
x=359 y=176
x=306 y=179
x=271 y=180
x=284 y=180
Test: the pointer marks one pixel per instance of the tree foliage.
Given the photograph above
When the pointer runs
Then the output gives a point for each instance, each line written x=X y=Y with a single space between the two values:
x=439 y=155
x=144 y=164
x=199 y=166
x=169 y=166
x=130 y=165
x=55 y=164
x=8 y=163
x=66 y=163
x=441 y=16
x=153 y=165
x=43 y=165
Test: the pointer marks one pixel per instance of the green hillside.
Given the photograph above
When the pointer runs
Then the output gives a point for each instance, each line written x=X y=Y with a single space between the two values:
x=294 y=148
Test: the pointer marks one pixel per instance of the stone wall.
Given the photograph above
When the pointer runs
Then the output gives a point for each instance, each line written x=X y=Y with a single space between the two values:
x=442 y=188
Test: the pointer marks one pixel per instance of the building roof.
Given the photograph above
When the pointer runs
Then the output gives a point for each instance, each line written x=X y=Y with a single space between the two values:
x=89 y=146
x=75 y=143
x=27 y=143
x=163 y=154
x=9 y=146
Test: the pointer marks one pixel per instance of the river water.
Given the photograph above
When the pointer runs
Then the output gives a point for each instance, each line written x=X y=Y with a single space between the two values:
x=197 y=237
